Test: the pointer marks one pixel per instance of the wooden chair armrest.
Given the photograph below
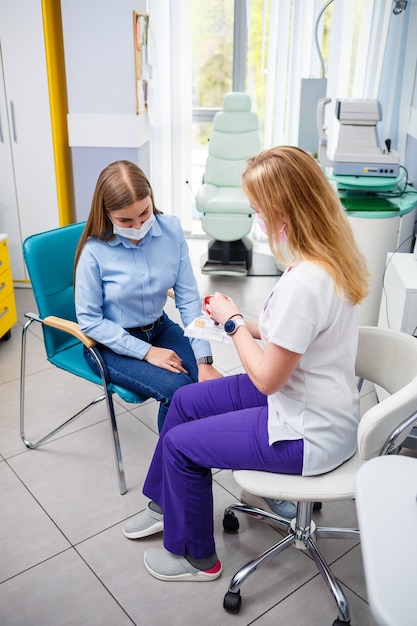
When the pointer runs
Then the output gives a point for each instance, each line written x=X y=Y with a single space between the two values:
x=69 y=327
x=73 y=328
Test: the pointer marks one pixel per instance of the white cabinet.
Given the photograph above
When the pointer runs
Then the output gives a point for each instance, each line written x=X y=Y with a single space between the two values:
x=28 y=188
x=398 y=309
x=377 y=234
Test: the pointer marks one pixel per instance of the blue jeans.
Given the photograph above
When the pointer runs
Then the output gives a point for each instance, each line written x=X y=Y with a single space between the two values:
x=146 y=379
x=219 y=423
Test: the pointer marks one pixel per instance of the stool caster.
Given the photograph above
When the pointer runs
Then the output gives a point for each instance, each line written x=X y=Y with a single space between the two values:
x=232 y=602
x=230 y=523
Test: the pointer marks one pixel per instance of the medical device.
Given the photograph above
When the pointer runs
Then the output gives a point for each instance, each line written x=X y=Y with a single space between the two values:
x=358 y=151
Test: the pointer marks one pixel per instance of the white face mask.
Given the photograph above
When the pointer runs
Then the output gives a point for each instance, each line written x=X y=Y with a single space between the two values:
x=135 y=233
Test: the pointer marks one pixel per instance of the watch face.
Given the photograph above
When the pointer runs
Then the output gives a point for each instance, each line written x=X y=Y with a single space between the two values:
x=230 y=327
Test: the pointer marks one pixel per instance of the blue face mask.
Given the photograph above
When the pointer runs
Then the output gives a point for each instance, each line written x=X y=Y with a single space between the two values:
x=136 y=234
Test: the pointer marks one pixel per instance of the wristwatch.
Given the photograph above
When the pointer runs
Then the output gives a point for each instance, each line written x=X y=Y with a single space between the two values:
x=205 y=359
x=232 y=325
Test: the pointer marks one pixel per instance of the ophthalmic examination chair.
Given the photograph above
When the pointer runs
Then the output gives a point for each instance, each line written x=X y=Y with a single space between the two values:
x=227 y=215
x=49 y=257
x=386 y=358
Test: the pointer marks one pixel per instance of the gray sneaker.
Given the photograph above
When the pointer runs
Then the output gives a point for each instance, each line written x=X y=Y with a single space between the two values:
x=147 y=523
x=283 y=508
x=167 y=566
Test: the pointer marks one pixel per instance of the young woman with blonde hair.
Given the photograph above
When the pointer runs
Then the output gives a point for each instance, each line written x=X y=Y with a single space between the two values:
x=296 y=409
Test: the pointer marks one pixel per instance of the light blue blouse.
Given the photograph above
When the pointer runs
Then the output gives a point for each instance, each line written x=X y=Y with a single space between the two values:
x=121 y=285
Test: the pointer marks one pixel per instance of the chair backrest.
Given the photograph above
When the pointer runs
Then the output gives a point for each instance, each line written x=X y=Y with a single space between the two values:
x=389 y=359
x=234 y=139
x=49 y=258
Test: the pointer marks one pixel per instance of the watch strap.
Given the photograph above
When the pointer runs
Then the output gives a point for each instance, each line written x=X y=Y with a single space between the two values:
x=235 y=323
x=207 y=360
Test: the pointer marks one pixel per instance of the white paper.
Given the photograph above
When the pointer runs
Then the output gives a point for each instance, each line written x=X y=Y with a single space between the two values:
x=204 y=327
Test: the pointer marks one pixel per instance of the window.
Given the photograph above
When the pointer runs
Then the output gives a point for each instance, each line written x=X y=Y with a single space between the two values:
x=218 y=66
x=265 y=47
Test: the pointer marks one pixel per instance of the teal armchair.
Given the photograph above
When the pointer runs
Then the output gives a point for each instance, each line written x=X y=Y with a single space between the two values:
x=49 y=258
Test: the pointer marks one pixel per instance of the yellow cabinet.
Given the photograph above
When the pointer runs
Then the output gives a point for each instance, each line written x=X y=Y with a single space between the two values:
x=8 y=314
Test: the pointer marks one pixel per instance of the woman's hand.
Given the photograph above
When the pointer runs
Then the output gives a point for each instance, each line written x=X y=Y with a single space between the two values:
x=165 y=358
x=207 y=372
x=221 y=307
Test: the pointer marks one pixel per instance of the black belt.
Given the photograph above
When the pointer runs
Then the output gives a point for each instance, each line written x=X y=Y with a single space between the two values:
x=149 y=327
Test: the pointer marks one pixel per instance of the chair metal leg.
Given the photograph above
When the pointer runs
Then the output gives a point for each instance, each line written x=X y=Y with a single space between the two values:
x=107 y=395
x=116 y=443
x=275 y=520
x=248 y=569
x=26 y=441
x=323 y=532
x=113 y=423
x=30 y=444
x=332 y=583
x=302 y=533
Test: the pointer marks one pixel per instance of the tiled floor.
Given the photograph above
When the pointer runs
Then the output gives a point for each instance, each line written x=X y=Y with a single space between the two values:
x=63 y=558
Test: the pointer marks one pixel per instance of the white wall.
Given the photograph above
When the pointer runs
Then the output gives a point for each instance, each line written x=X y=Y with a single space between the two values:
x=100 y=76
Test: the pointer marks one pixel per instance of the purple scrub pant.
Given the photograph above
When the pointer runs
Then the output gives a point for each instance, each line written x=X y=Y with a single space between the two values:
x=232 y=435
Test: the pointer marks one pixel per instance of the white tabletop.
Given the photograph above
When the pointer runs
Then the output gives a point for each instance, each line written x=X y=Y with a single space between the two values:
x=386 y=502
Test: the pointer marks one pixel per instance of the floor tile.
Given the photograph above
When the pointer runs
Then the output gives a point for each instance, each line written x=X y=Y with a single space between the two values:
x=313 y=604
x=62 y=591
x=51 y=397
x=74 y=478
x=27 y=534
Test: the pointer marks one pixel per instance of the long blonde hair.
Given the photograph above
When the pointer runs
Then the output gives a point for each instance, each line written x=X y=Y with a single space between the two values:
x=288 y=180
x=119 y=185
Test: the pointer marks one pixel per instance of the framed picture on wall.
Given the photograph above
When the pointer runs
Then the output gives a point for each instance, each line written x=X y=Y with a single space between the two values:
x=142 y=67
